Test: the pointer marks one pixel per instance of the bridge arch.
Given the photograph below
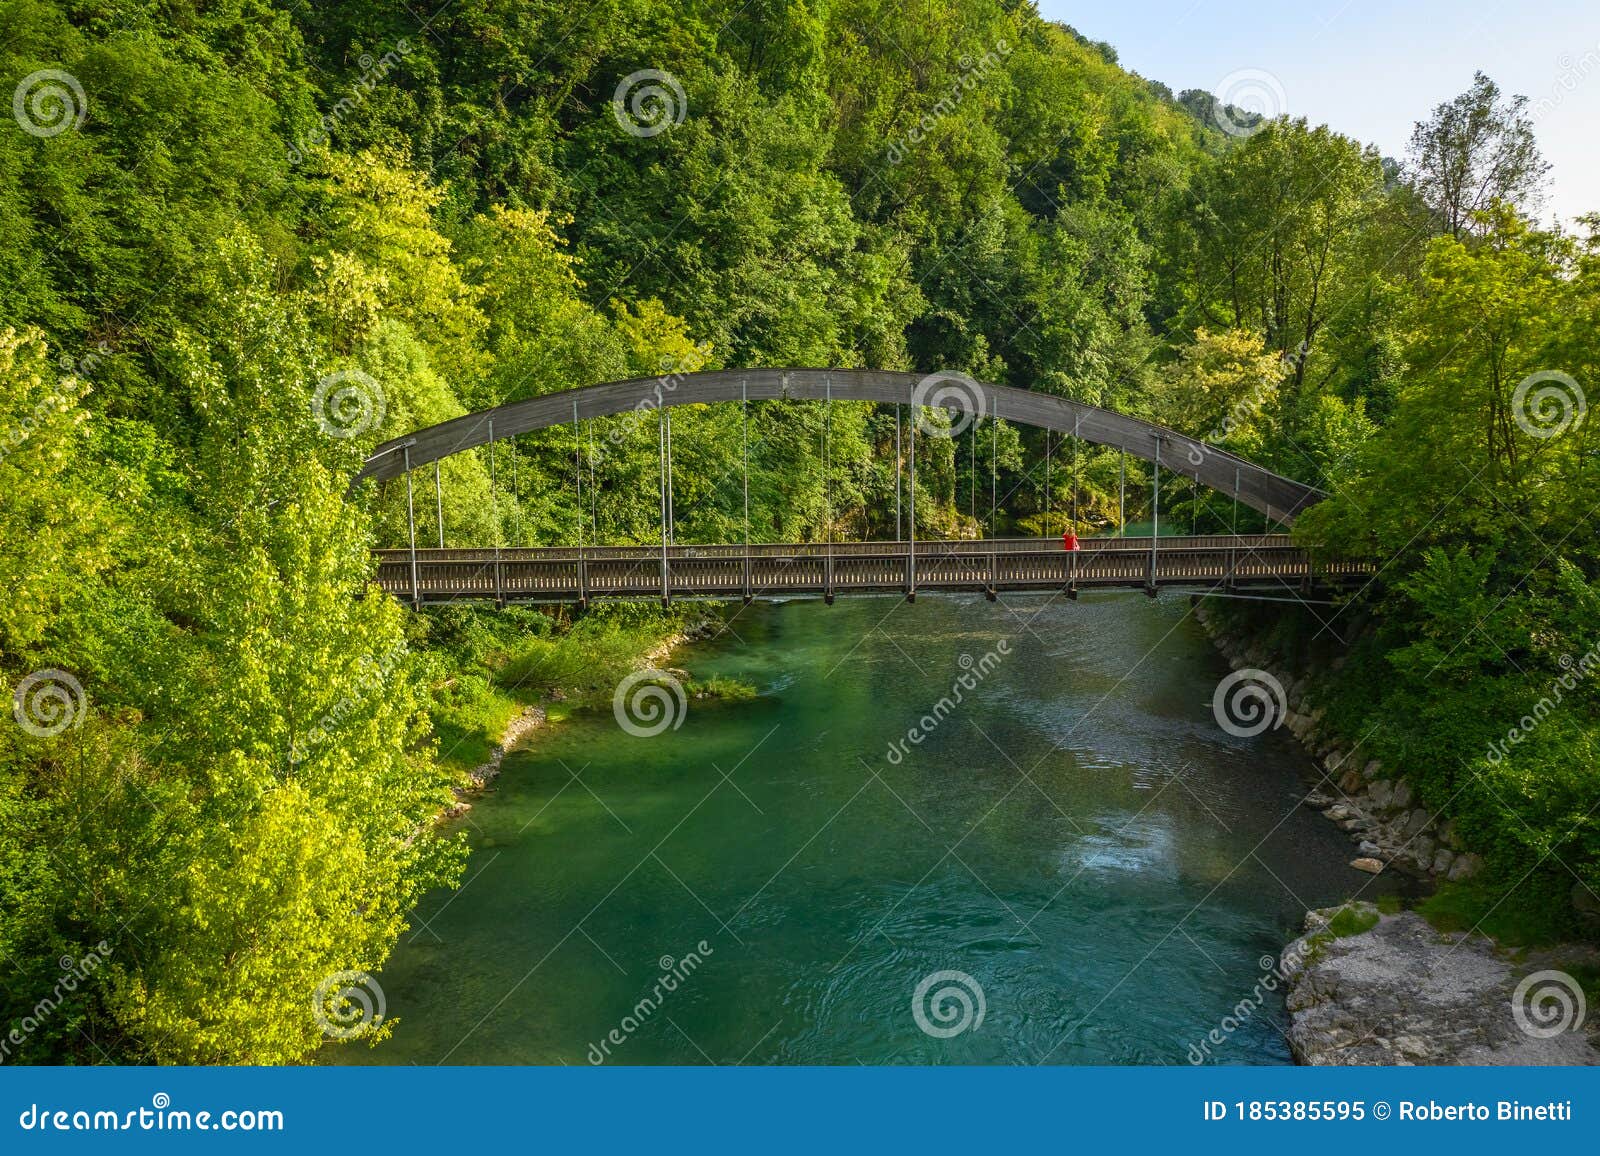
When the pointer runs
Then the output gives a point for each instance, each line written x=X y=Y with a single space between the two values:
x=1279 y=498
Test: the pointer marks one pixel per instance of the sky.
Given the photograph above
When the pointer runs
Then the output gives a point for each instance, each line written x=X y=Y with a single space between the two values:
x=1372 y=68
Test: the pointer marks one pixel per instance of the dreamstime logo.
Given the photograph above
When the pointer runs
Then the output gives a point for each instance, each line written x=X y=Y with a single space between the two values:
x=373 y=69
x=348 y=403
x=74 y=972
x=1572 y=672
x=372 y=676
x=674 y=973
x=973 y=672
x=1547 y=1003
x=48 y=702
x=948 y=1003
x=1252 y=91
x=1574 y=73
x=973 y=73
x=950 y=390
x=1248 y=702
x=49 y=102
x=1548 y=403
x=1273 y=973
x=648 y=702
x=348 y=1004
x=648 y=102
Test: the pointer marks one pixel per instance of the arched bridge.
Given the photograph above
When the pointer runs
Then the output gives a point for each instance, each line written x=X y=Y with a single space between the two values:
x=579 y=572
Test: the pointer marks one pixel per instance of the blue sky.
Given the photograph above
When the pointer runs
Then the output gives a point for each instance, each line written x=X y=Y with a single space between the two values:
x=1370 y=68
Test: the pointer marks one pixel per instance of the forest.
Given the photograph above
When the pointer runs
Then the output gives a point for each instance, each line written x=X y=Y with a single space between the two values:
x=242 y=242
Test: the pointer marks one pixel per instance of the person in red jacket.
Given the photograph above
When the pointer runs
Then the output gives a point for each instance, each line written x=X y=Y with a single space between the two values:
x=1069 y=540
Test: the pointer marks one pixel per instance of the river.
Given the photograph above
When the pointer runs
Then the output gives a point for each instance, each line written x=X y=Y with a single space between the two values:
x=1107 y=869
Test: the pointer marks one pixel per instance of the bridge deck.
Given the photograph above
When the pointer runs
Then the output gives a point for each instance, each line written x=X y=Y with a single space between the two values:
x=990 y=566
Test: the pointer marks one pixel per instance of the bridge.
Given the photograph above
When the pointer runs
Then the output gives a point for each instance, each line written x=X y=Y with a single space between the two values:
x=579 y=572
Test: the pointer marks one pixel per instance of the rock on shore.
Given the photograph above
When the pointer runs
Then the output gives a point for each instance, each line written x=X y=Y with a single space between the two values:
x=1405 y=993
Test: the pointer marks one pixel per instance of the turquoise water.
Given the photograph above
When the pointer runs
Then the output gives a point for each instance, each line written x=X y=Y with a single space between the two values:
x=768 y=883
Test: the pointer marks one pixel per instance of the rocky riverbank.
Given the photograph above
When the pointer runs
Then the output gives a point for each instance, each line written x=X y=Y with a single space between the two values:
x=1400 y=992
x=1373 y=804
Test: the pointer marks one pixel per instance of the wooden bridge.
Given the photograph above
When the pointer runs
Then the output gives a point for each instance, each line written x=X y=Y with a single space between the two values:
x=989 y=567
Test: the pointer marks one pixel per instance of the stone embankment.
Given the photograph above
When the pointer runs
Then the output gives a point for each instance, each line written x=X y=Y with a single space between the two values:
x=1373 y=804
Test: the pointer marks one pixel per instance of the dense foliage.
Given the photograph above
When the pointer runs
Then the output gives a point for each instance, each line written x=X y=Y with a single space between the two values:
x=253 y=238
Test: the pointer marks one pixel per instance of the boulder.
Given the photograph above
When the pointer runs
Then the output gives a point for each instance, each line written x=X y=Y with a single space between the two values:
x=1382 y=793
x=1368 y=864
x=1373 y=769
x=1350 y=782
x=1402 y=795
x=1442 y=858
x=1417 y=822
x=1465 y=867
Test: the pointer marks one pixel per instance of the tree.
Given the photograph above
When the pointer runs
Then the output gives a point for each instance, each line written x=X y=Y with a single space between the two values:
x=1475 y=150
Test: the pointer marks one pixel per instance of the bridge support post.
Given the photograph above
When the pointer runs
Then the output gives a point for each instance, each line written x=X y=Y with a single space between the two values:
x=661 y=424
x=1072 y=575
x=992 y=590
x=1122 y=492
x=911 y=554
x=748 y=592
x=1155 y=519
x=583 y=581
x=438 y=502
x=827 y=578
x=411 y=526
x=1233 y=568
x=494 y=503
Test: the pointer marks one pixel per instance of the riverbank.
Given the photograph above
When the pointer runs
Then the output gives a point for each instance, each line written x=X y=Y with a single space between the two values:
x=1376 y=806
x=1392 y=986
x=503 y=675
x=1366 y=986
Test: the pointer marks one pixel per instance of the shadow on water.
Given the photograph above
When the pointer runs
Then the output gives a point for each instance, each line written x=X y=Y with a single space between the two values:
x=772 y=881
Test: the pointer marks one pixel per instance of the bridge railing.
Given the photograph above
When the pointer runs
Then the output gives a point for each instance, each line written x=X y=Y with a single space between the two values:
x=927 y=547
x=729 y=571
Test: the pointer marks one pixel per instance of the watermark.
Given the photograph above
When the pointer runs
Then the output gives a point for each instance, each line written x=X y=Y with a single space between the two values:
x=674 y=972
x=1256 y=93
x=348 y=403
x=372 y=675
x=947 y=1003
x=49 y=102
x=1548 y=1003
x=648 y=102
x=1274 y=973
x=75 y=972
x=160 y=1116
x=1248 y=702
x=974 y=671
x=670 y=374
x=973 y=73
x=953 y=391
x=1548 y=403
x=648 y=702
x=373 y=70
x=48 y=702
x=1574 y=72
x=1247 y=407
x=348 y=1005
x=1572 y=673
